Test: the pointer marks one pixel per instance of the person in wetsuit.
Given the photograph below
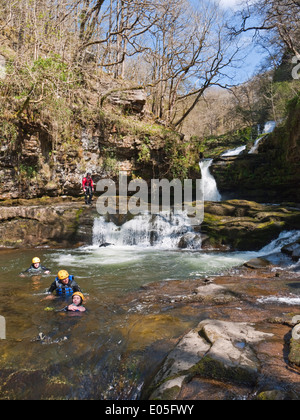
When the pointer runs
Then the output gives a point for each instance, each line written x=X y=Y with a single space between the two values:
x=36 y=269
x=64 y=285
x=88 y=188
x=76 y=305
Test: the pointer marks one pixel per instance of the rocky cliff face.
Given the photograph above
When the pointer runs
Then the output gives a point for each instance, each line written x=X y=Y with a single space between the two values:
x=272 y=174
x=119 y=138
x=45 y=223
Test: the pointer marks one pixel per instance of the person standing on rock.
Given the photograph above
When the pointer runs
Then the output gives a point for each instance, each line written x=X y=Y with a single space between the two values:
x=88 y=188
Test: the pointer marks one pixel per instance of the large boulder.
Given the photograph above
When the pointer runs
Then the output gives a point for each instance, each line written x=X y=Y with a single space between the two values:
x=217 y=350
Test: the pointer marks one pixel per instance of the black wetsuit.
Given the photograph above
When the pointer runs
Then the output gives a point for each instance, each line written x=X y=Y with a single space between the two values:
x=35 y=271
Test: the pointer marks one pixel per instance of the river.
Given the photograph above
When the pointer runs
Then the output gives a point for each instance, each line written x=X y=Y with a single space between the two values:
x=101 y=353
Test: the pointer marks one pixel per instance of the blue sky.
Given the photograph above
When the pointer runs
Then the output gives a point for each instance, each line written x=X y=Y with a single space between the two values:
x=253 y=55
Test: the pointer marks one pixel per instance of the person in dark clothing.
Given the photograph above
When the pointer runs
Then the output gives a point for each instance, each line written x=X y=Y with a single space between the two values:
x=36 y=269
x=88 y=188
x=64 y=285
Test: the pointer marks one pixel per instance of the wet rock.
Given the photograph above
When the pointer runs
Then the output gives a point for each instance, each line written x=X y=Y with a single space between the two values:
x=257 y=263
x=293 y=250
x=217 y=350
x=190 y=240
x=214 y=294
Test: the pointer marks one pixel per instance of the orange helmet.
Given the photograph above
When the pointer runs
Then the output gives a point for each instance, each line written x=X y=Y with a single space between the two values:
x=78 y=294
x=62 y=274
x=36 y=260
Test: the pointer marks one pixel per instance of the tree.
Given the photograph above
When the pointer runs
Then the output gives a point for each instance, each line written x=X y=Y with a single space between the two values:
x=279 y=17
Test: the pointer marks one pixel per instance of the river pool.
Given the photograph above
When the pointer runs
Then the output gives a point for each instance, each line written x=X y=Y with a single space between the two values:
x=53 y=354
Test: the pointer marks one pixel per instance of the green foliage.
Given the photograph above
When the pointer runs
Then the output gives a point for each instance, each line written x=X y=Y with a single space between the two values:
x=180 y=156
x=27 y=171
x=144 y=154
x=215 y=145
x=8 y=132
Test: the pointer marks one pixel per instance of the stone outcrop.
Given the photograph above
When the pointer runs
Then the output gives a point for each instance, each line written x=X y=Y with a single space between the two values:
x=63 y=224
x=245 y=225
x=294 y=354
x=217 y=350
x=272 y=174
x=133 y=101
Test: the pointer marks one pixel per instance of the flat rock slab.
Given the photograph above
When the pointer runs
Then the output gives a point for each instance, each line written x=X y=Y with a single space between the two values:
x=215 y=349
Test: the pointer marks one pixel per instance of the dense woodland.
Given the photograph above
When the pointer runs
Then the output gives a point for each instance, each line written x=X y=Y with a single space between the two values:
x=185 y=54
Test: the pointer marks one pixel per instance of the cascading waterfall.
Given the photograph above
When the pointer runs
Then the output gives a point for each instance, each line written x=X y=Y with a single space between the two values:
x=210 y=189
x=234 y=152
x=268 y=128
x=163 y=230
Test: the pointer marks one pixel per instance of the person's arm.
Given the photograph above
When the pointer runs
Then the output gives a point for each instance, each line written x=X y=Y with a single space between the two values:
x=45 y=269
x=52 y=287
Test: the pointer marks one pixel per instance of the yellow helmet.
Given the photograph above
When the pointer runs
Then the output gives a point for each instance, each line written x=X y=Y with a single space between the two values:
x=78 y=294
x=36 y=260
x=62 y=274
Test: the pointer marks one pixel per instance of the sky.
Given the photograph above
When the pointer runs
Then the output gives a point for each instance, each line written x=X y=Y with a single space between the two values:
x=253 y=54
x=229 y=3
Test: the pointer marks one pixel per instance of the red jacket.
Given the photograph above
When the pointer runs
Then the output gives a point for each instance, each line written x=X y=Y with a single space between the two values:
x=87 y=182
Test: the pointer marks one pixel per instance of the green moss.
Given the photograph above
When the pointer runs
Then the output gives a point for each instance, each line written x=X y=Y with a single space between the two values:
x=169 y=394
x=213 y=369
x=294 y=355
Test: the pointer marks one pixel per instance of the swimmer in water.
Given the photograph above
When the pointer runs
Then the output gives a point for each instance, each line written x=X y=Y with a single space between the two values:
x=36 y=268
x=64 y=285
x=76 y=305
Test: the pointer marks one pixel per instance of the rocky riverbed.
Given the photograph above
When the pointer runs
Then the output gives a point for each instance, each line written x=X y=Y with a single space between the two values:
x=245 y=344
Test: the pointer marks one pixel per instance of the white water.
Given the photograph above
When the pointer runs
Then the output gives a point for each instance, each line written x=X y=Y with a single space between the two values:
x=162 y=230
x=145 y=249
x=234 y=152
x=268 y=128
x=285 y=238
x=210 y=189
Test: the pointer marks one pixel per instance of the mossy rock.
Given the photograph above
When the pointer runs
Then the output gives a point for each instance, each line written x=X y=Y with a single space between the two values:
x=211 y=368
x=294 y=355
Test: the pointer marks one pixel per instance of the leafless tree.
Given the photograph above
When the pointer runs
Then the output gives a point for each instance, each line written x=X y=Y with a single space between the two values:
x=280 y=17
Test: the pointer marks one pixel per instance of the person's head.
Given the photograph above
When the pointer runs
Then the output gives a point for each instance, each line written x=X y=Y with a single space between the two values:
x=63 y=276
x=77 y=298
x=36 y=262
x=88 y=175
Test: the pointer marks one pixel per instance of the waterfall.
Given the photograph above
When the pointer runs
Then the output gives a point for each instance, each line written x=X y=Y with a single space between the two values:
x=268 y=128
x=163 y=230
x=210 y=189
x=234 y=152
